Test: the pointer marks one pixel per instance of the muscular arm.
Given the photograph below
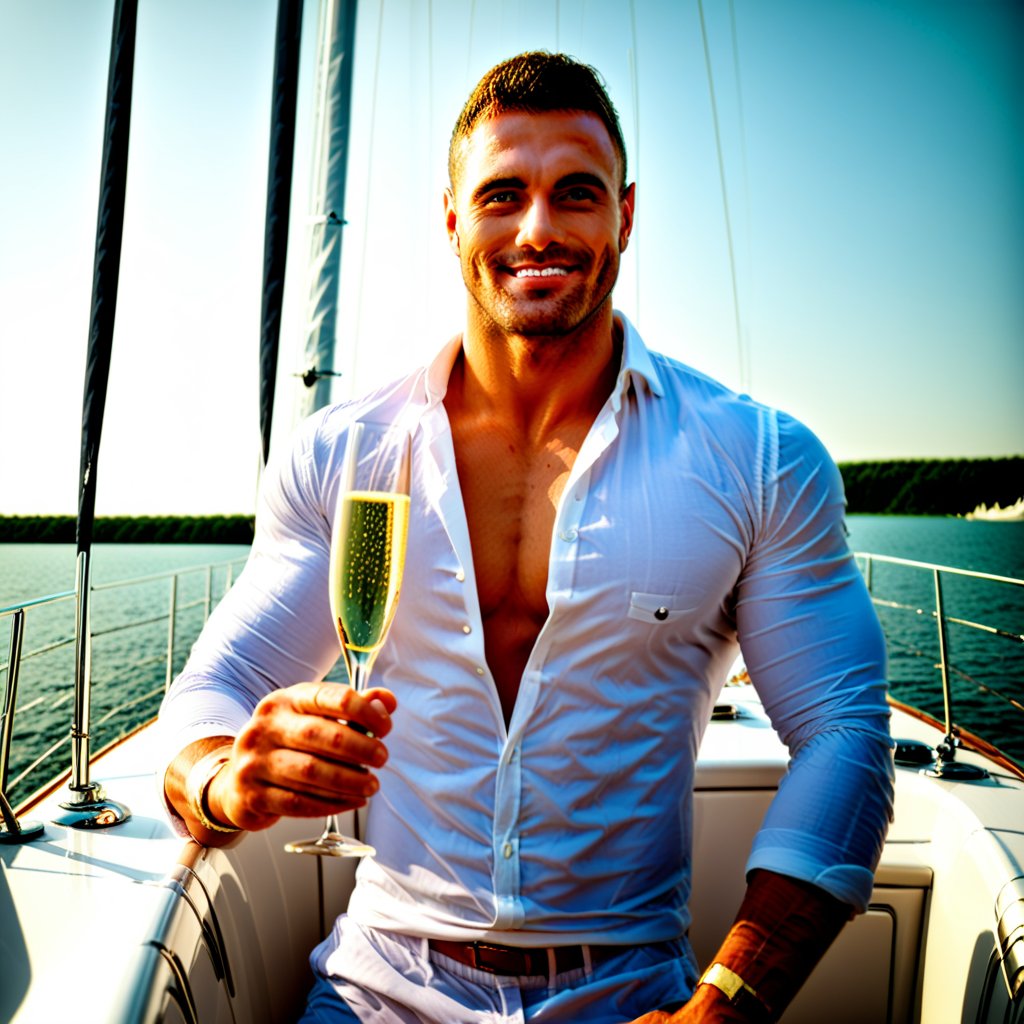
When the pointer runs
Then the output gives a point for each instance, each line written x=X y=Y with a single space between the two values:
x=815 y=652
x=289 y=750
x=781 y=931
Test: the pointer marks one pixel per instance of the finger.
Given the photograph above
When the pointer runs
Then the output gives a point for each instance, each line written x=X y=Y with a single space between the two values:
x=322 y=778
x=370 y=712
x=330 y=740
x=327 y=699
x=384 y=695
x=279 y=802
x=337 y=701
x=261 y=785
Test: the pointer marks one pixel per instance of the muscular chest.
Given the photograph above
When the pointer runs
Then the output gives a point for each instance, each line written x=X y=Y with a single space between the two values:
x=511 y=493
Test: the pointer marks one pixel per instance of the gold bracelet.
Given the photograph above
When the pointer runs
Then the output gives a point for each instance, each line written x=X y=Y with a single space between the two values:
x=736 y=990
x=197 y=787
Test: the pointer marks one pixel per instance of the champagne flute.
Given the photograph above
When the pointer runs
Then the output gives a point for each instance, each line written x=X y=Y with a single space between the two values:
x=367 y=559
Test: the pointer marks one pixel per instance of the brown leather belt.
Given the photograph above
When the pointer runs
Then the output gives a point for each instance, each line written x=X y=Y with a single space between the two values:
x=521 y=961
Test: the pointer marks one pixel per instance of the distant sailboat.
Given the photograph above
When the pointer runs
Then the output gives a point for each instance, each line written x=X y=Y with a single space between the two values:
x=1010 y=514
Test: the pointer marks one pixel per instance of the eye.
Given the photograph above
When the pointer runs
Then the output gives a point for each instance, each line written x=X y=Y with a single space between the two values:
x=580 y=194
x=504 y=196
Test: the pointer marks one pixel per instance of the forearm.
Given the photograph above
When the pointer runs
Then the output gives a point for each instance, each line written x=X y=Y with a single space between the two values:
x=782 y=929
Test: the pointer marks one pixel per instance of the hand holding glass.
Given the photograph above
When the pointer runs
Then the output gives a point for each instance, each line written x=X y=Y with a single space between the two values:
x=367 y=559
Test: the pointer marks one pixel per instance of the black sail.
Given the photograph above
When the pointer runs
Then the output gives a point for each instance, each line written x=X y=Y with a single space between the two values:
x=87 y=806
x=279 y=186
x=106 y=265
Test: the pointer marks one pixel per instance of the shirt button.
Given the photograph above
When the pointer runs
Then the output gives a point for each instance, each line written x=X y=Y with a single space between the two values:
x=661 y=614
x=460 y=576
x=506 y=851
x=569 y=535
x=479 y=670
x=467 y=629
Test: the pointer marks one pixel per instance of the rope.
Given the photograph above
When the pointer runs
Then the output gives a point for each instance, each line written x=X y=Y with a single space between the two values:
x=744 y=383
x=369 y=188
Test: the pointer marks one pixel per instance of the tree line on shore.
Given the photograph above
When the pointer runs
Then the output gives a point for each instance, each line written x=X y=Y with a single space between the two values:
x=932 y=487
x=902 y=487
x=130 y=529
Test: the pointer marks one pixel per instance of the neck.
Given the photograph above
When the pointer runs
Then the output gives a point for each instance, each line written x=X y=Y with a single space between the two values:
x=538 y=382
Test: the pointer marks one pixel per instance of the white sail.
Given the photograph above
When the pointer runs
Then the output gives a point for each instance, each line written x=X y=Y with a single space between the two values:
x=327 y=200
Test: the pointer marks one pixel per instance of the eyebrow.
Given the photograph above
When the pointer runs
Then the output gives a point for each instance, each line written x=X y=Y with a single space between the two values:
x=496 y=185
x=567 y=181
x=582 y=178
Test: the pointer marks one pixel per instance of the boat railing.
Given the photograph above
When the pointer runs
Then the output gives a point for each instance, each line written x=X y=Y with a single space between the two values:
x=217 y=578
x=936 y=608
x=207 y=585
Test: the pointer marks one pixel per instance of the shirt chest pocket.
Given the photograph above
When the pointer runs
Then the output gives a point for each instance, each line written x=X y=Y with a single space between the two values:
x=658 y=608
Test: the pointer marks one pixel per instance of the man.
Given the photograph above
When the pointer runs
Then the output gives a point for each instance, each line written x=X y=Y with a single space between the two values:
x=594 y=527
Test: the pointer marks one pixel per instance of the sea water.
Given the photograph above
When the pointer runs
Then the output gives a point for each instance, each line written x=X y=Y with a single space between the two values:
x=130 y=665
x=986 y=672
x=130 y=626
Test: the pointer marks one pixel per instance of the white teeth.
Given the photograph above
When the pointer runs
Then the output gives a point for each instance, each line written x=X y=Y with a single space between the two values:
x=546 y=272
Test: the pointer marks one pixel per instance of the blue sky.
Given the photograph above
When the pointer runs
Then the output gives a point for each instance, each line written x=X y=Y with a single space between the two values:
x=873 y=155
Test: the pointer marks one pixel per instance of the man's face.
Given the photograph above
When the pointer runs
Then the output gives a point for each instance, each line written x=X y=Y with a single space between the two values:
x=538 y=221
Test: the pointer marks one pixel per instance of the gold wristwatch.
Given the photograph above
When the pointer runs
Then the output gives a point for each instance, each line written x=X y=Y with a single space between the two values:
x=743 y=996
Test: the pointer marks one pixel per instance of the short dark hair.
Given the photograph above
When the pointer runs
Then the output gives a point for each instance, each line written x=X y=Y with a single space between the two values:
x=537 y=82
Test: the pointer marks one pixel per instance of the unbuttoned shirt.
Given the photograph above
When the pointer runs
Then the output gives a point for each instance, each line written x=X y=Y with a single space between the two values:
x=693 y=519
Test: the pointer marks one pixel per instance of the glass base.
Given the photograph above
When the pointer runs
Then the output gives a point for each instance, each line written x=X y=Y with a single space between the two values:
x=331 y=844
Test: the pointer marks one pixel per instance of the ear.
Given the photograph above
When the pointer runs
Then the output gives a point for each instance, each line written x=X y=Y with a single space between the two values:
x=626 y=205
x=451 y=220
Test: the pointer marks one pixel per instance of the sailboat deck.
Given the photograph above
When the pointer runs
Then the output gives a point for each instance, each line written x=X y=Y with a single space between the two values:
x=174 y=928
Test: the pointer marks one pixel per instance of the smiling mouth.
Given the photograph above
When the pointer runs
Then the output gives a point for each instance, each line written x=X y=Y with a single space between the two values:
x=525 y=272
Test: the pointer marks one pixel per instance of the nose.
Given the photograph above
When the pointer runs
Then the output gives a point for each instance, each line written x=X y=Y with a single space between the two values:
x=537 y=227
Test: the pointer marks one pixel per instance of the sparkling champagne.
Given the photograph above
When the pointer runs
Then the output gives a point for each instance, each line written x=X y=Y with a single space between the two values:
x=365 y=576
x=366 y=571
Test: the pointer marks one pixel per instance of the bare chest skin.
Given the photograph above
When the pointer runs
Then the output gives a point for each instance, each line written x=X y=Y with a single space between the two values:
x=511 y=486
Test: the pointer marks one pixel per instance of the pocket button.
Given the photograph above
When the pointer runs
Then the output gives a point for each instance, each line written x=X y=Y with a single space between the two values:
x=661 y=614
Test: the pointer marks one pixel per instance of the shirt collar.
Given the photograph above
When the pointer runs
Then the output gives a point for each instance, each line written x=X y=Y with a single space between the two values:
x=440 y=369
x=636 y=362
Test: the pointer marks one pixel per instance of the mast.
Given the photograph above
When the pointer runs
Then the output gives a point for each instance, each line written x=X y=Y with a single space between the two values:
x=335 y=57
x=87 y=806
x=279 y=188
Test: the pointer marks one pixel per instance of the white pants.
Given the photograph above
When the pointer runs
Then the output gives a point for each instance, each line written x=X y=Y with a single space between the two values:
x=395 y=979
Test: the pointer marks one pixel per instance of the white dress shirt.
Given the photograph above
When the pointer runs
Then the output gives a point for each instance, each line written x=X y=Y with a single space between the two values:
x=693 y=518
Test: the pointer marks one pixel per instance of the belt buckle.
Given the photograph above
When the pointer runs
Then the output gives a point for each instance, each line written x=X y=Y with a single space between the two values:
x=500 y=959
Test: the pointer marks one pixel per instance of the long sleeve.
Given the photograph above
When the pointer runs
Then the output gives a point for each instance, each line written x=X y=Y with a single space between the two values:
x=816 y=653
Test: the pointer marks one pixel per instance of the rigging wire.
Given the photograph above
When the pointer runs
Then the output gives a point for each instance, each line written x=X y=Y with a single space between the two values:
x=366 y=201
x=745 y=355
x=740 y=347
x=469 y=45
x=430 y=92
x=428 y=181
x=634 y=64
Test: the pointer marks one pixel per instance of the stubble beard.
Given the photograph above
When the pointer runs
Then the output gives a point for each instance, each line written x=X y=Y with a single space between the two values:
x=541 y=317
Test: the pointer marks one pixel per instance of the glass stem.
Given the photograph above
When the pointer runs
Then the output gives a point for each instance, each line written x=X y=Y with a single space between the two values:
x=359 y=675
x=360 y=678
